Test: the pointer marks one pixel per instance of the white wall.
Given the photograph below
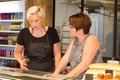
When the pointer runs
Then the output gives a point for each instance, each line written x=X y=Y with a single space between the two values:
x=63 y=11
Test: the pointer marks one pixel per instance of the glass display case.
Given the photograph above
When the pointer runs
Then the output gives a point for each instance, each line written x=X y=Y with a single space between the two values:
x=18 y=74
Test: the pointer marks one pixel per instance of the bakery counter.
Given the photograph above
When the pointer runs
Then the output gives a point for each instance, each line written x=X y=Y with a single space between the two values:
x=7 y=73
x=103 y=71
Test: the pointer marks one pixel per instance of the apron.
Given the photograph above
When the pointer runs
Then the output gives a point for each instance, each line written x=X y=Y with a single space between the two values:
x=40 y=56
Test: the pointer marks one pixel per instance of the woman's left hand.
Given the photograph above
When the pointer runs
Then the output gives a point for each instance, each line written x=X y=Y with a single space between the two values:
x=52 y=75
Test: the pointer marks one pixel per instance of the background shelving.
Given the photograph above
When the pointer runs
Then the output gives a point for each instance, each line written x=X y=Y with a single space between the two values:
x=11 y=22
x=66 y=37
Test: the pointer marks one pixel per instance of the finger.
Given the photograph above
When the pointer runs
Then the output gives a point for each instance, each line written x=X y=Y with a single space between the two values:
x=47 y=75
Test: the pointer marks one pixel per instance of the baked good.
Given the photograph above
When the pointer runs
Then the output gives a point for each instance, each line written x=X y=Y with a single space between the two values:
x=117 y=76
x=105 y=66
x=104 y=71
x=100 y=76
x=108 y=76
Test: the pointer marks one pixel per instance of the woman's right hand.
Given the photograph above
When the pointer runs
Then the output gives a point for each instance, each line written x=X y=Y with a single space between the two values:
x=23 y=64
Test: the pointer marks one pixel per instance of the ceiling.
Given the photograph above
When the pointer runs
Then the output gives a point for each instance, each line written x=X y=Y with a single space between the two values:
x=105 y=3
x=108 y=4
x=8 y=0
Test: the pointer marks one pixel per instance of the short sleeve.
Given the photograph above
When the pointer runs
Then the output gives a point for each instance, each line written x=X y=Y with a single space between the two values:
x=20 y=38
x=54 y=35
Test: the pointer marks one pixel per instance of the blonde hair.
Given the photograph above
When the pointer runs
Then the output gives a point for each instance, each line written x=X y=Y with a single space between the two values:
x=35 y=9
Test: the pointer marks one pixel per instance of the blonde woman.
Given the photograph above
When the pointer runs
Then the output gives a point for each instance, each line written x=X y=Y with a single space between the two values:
x=39 y=43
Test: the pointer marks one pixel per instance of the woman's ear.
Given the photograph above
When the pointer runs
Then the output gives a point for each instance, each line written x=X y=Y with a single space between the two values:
x=79 y=31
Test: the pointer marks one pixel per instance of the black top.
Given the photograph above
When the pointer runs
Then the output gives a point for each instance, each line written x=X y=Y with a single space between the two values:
x=25 y=36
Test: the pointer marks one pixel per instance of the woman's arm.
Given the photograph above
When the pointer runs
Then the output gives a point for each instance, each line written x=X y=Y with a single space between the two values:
x=64 y=61
x=18 y=52
x=90 y=49
x=19 y=57
x=57 y=54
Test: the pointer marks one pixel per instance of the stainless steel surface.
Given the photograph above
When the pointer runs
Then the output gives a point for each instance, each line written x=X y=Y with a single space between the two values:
x=18 y=74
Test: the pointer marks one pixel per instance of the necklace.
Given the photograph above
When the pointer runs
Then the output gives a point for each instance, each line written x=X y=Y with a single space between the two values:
x=39 y=32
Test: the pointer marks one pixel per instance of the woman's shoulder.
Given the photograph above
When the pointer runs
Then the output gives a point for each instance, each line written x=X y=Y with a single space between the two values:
x=92 y=40
x=24 y=30
x=92 y=36
x=51 y=29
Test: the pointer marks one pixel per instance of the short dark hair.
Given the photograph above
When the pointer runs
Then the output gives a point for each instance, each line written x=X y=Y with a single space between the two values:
x=80 y=21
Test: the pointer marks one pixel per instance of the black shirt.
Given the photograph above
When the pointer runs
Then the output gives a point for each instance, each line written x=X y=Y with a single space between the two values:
x=25 y=36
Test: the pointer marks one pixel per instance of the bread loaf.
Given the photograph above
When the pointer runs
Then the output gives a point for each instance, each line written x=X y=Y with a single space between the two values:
x=101 y=71
x=104 y=71
x=105 y=66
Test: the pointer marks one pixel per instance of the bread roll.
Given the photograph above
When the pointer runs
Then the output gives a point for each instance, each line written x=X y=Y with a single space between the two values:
x=100 y=76
x=108 y=76
x=117 y=76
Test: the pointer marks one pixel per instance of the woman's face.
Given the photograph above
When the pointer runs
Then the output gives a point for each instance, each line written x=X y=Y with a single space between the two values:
x=72 y=30
x=35 y=21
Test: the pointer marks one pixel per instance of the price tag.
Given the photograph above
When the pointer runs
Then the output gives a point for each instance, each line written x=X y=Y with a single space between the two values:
x=89 y=77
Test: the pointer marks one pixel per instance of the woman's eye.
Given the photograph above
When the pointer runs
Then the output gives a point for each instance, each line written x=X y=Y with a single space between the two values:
x=30 y=21
x=36 y=20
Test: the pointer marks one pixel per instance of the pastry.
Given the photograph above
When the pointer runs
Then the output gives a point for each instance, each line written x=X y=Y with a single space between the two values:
x=117 y=76
x=100 y=76
x=108 y=76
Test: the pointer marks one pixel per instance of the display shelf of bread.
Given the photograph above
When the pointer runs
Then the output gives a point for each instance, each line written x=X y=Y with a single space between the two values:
x=104 y=71
x=107 y=76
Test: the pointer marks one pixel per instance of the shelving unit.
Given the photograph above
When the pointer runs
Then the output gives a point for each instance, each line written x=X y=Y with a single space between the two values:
x=66 y=37
x=11 y=22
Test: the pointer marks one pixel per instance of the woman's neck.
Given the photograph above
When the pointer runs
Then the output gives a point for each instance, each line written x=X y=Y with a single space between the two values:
x=37 y=28
x=38 y=32
x=81 y=38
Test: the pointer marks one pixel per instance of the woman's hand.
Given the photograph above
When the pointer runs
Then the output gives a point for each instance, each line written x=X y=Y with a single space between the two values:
x=59 y=76
x=23 y=64
x=53 y=75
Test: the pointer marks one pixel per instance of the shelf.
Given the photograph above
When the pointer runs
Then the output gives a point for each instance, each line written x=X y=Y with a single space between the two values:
x=9 y=31
x=66 y=37
x=7 y=58
x=12 y=20
x=20 y=20
x=66 y=31
x=3 y=45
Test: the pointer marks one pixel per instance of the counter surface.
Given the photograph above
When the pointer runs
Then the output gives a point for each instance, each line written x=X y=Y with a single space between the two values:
x=7 y=73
